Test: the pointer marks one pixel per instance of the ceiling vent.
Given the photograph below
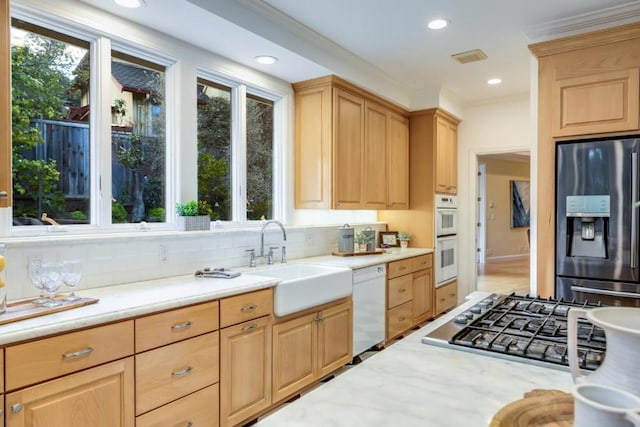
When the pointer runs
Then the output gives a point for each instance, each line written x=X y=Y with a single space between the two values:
x=469 y=56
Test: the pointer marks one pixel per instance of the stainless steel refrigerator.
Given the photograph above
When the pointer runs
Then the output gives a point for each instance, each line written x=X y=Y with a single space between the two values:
x=597 y=221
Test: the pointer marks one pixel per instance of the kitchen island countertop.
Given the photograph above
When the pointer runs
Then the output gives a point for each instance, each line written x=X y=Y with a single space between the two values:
x=411 y=384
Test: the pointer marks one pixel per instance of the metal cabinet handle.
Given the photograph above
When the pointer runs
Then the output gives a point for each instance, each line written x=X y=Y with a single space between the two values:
x=319 y=319
x=402 y=319
x=249 y=308
x=402 y=290
x=402 y=267
x=16 y=408
x=249 y=328
x=189 y=424
x=183 y=325
x=3 y=194
x=79 y=353
x=182 y=372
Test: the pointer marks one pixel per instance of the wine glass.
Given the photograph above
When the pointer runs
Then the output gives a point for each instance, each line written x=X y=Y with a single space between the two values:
x=71 y=274
x=51 y=281
x=35 y=275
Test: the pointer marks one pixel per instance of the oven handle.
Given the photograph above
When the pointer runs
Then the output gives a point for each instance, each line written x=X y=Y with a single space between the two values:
x=634 y=209
x=604 y=292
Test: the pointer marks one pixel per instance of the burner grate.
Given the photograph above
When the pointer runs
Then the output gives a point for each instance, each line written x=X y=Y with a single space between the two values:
x=533 y=328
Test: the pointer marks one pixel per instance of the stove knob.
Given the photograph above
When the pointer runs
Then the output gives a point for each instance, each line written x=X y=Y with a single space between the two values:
x=475 y=309
x=462 y=319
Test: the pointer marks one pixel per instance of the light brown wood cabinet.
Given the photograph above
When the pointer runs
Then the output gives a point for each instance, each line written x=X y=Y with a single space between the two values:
x=245 y=357
x=101 y=396
x=446 y=297
x=351 y=148
x=446 y=155
x=432 y=169
x=197 y=409
x=604 y=102
x=309 y=346
x=409 y=294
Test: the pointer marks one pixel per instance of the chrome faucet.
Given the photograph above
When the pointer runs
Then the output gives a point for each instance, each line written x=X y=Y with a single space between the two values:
x=284 y=237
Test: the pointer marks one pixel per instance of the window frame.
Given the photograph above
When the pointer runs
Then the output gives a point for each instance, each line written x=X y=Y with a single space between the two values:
x=239 y=92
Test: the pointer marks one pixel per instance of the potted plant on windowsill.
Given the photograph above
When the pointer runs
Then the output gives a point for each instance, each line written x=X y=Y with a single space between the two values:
x=404 y=238
x=193 y=216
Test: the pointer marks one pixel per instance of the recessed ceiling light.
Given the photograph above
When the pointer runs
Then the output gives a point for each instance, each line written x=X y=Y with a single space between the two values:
x=131 y=4
x=438 y=24
x=266 y=59
x=495 y=81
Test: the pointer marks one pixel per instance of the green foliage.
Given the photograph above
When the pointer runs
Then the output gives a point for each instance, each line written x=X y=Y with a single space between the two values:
x=156 y=214
x=118 y=213
x=214 y=145
x=39 y=70
x=78 y=216
x=259 y=159
x=403 y=235
x=362 y=238
x=193 y=208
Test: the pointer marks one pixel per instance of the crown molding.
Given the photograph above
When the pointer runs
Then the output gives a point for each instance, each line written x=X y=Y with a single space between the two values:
x=586 y=22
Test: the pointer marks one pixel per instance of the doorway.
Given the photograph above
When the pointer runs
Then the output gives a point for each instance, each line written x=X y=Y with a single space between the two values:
x=502 y=215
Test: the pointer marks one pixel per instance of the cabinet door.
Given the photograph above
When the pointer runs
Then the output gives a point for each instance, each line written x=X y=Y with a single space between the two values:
x=606 y=102
x=245 y=370
x=313 y=148
x=446 y=297
x=348 y=144
x=335 y=338
x=375 y=153
x=397 y=162
x=446 y=156
x=294 y=355
x=98 y=397
x=422 y=295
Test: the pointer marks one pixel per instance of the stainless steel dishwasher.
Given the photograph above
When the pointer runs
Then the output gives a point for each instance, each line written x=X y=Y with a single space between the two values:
x=368 y=307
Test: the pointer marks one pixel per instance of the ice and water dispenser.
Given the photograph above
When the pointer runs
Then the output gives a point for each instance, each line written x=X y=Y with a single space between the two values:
x=587 y=226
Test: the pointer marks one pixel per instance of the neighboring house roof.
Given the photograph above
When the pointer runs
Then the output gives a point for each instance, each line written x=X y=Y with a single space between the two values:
x=132 y=78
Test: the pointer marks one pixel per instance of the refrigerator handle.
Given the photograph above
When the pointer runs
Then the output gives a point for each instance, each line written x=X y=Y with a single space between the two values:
x=634 y=209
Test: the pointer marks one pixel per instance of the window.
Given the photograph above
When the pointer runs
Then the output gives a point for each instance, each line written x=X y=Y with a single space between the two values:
x=259 y=158
x=221 y=152
x=50 y=126
x=137 y=140
x=214 y=148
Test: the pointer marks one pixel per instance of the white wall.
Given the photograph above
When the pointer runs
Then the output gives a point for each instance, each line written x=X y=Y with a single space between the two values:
x=497 y=127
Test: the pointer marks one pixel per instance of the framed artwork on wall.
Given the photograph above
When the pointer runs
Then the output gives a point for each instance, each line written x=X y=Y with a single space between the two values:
x=520 y=203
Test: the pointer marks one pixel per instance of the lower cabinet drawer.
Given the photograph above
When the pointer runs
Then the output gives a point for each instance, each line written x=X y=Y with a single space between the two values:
x=245 y=307
x=173 y=371
x=446 y=297
x=199 y=409
x=400 y=290
x=399 y=319
x=48 y=358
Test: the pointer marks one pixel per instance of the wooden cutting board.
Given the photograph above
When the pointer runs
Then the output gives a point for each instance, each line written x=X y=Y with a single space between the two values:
x=538 y=408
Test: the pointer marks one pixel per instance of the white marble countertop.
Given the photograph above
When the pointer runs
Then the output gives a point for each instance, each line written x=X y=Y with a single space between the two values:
x=130 y=300
x=360 y=261
x=411 y=384
x=140 y=298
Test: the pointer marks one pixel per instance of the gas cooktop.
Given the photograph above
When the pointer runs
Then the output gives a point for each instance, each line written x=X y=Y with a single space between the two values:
x=522 y=328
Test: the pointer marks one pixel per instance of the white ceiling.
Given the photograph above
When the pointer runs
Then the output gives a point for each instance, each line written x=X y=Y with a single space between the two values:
x=383 y=45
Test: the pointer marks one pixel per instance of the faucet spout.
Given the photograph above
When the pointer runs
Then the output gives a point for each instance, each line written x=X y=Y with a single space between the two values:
x=271 y=221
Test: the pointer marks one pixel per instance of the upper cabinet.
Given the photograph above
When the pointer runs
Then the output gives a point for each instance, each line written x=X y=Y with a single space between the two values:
x=446 y=153
x=604 y=102
x=351 y=148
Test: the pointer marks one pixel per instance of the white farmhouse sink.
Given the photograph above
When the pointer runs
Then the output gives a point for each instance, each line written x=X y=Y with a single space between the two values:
x=304 y=286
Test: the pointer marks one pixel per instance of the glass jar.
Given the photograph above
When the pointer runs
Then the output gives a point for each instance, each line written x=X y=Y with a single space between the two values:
x=3 y=277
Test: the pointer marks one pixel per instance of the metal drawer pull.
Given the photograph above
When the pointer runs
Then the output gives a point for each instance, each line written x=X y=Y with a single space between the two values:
x=402 y=319
x=402 y=290
x=402 y=267
x=84 y=352
x=249 y=308
x=16 y=408
x=183 y=325
x=189 y=424
x=3 y=194
x=182 y=372
x=249 y=328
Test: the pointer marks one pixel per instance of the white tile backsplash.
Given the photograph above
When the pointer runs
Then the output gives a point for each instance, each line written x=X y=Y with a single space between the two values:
x=111 y=259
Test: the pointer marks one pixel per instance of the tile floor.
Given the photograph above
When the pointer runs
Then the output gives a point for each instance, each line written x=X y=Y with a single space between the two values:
x=504 y=276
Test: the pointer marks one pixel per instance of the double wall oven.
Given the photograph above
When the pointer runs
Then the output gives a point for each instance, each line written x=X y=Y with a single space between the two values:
x=446 y=250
